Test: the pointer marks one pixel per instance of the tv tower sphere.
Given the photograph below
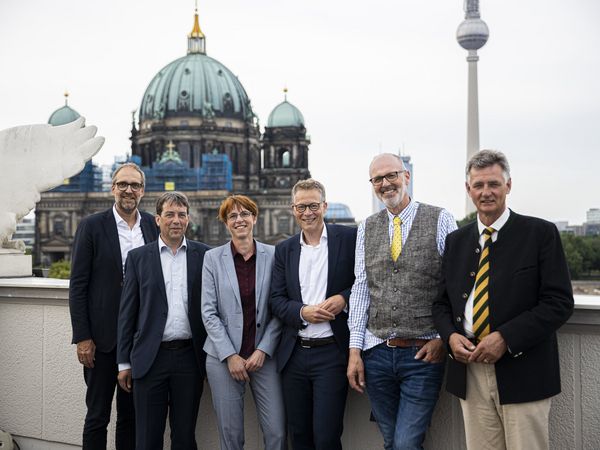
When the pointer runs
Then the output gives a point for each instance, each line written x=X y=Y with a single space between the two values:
x=472 y=34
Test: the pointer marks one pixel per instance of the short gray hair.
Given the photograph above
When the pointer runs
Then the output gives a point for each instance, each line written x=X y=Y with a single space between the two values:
x=487 y=158
x=133 y=166
x=172 y=197
x=307 y=185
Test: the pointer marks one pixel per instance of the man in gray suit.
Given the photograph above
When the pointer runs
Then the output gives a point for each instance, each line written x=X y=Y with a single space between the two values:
x=242 y=334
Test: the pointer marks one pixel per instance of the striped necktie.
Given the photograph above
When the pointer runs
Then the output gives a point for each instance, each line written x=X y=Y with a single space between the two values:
x=481 y=310
x=396 y=247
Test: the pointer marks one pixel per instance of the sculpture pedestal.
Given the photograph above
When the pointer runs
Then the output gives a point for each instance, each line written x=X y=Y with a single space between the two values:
x=14 y=264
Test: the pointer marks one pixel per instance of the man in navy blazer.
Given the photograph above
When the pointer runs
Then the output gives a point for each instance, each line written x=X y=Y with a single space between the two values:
x=100 y=247
x=160 y=334
x=312 y=277
x=507 y=290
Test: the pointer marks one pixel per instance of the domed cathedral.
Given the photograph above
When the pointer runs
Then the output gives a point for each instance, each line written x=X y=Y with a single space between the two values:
x=201 y=107
x=285 y=147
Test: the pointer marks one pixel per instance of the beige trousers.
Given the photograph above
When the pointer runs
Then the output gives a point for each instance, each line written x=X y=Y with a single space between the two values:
x=492 y=426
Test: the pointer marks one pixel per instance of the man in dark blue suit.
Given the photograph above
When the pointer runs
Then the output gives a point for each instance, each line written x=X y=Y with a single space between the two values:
x=100 y=247
x=312 y=277
x=160 y=333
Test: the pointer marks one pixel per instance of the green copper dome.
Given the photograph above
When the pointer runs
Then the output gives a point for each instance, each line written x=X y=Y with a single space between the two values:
x=64 y=114
x=285 y=115
x=195 y=84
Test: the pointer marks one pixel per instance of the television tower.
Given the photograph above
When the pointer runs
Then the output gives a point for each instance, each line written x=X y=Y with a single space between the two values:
x=472 y=34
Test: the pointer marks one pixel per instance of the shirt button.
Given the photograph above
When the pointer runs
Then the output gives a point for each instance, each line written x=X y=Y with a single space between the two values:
x=395 y=270
x=394 y=308
x=395 y=289
x=465 y=295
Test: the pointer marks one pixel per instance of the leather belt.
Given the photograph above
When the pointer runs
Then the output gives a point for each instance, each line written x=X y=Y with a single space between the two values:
x=315 y=342
x=405 y=343
x=176 y=344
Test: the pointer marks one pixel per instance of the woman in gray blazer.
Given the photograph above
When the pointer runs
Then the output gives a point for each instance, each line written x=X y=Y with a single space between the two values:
x=242 y=334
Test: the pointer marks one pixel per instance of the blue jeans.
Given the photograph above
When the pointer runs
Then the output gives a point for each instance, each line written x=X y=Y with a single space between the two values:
x=403 y=392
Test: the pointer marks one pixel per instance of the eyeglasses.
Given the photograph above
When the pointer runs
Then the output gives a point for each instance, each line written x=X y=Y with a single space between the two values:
x=234 y=216
x=392 y=176
x=301 y=207
x=123 y=185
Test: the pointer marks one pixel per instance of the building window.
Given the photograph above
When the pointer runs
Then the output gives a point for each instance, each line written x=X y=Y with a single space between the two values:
x=283 y=224
x=285 y=159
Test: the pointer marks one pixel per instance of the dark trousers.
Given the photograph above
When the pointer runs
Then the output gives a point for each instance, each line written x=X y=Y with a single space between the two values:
x=101 y=382
x=172 y=384
x=314 y=390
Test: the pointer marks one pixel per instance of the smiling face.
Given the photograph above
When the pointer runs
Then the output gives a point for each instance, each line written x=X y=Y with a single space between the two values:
x=311 y=222
x=240 y=223
x=488 y=188
x=172 y=221
x=393 y=194
x=128 y=200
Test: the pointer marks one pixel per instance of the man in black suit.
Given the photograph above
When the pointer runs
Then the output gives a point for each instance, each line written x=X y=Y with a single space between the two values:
x=312 y=276
x=160 y=332
x=507 y=291
x=100 y=247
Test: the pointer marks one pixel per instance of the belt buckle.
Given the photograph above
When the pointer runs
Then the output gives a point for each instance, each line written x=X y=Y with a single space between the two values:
x=302 y=340
x=387 y=342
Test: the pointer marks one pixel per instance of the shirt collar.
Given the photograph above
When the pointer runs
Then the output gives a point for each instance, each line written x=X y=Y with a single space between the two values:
x=322 y=240
x=162 y=245
x=407 y=212
x=120 y=220
x=499 y=223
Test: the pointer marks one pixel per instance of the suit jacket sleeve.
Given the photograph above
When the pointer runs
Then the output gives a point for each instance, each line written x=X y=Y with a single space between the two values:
x=283 y=307
x=215 y=329
x=555 y=298
x=81 y=271
x=128 y=311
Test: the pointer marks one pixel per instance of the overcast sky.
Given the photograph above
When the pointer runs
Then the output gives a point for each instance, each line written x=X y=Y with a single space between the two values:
x=374 y=76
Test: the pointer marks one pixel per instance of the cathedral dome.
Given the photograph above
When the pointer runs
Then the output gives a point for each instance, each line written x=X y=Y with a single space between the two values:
x=285 y=115
x=197 y=85
x=64 y=114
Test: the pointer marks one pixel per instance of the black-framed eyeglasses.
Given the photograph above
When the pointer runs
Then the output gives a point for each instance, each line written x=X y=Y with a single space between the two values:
x=300 y=207
x=392 y=176
x=123 y=185
x=234 y=216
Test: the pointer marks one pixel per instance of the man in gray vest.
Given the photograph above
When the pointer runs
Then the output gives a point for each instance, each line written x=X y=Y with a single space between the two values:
x=395 y=351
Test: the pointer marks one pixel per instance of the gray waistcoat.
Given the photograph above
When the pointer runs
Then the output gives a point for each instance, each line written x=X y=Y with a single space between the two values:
x=402 y=292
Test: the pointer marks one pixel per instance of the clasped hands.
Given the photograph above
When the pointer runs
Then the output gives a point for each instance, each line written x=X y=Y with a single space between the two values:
x=324 y=311
x=239 y=367
x=489 y=350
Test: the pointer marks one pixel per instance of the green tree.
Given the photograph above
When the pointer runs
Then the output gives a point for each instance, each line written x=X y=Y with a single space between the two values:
x=467 y=219
x=60 y=269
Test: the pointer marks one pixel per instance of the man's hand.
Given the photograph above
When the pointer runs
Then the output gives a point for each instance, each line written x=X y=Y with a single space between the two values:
x=86 y=351
x=356 y=371
x=490 y=349
x=432 y=351
x=334 y=304
x=237 y=367
x=124 y=378
x=316 y=314
x=462 y=348
x=255 y=361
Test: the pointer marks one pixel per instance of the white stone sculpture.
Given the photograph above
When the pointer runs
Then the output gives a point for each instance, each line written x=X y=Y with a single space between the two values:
x=34 y=159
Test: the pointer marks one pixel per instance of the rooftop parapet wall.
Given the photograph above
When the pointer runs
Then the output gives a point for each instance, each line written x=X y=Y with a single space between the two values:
x=42 y=388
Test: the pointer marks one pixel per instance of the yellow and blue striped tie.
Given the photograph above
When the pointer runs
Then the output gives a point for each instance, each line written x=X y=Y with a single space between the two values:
x=481 y=310
x=396 y=247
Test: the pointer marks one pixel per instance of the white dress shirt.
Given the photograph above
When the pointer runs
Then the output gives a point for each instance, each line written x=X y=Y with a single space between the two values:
x=360 y=336
x=174 y=269
x=312 y=273
x=129 y=238
x=497 y=225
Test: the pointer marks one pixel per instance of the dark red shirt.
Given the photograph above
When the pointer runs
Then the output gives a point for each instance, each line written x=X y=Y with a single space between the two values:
x=246 y=276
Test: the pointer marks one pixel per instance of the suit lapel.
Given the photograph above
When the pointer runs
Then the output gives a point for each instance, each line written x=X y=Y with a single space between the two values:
x=146 y=226
x=295 y=267
x=157 y=271
x=192 y=267
x=229 y=267
x=260 y=270
x=333 y=251
x=112 y=238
